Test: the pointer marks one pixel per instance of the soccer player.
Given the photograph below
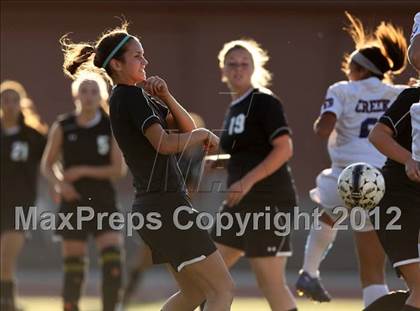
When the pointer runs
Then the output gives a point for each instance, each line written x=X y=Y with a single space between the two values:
x=393 y=137
x=22 y=143
x=82 y=142
x=258 y=138
x=350 y=110
x=190 y=163
x=141 y=120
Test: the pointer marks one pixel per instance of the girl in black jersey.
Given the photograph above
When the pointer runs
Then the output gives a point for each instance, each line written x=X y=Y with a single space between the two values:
x=22 y=143
x=141 y=119
x=257 y=137
x=392 y=136
x=90 y=158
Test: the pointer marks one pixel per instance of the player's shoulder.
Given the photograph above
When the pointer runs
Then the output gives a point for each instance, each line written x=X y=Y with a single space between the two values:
x=66 y=118
x=127 y=93
x=342 y=86
x=410 y=94
x=265 y=96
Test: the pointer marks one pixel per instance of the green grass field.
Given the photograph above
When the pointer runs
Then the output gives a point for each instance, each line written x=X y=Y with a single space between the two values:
x=240 y=304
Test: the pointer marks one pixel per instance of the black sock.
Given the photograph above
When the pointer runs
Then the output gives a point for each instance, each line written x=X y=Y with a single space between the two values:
x=203 y=304
x=409 y=308
x=132 y=283
x=111 y=278
x=7 y=296
x=295 y=309
x=74 y=271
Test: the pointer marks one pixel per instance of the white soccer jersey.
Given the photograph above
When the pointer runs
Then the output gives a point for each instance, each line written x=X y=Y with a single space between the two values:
x=358 y=105
x=415 y=122
x=416 y=27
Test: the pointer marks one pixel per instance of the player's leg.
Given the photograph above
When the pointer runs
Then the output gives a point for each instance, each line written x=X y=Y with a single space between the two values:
x=143 y=262
x=207 y=279
x=320 y=239
x=371 y=266
x=109 y=244
x=75 y=262
x=318 y=243
x=11 y=246
x=411 y=274
x=271 y=280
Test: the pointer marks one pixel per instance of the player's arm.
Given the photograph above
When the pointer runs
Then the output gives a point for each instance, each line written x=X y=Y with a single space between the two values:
x=281 y=153
x=325 y=124
x=49 y=166
x=414 y=48
x=172 y=143
x=381 y=137
x=116 y=168
x=178 y=118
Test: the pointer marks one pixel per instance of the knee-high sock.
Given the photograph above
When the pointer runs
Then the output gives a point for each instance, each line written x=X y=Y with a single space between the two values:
x=317 y=245
x=7 y=295
x=111 y=278
x=74 y=271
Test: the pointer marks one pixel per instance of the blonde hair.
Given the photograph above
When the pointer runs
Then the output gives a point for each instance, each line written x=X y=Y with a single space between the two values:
x=261 y=77
x=98 y=78
x=386 y=47
x=29 y=113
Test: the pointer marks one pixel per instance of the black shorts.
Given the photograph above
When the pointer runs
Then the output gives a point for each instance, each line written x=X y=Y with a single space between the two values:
x=267 y=235
x=168 y=240
x=400 y=244
x=81 y=230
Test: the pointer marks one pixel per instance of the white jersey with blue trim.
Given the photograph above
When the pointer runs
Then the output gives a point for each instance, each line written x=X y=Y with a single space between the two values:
x=357 y=105
x=416 y=27
x=415 y=123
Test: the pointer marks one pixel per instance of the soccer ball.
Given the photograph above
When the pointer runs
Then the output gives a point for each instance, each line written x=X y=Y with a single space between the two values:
x=361 y=185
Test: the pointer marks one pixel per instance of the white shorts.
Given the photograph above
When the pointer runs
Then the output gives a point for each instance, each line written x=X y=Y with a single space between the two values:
x=326 y=195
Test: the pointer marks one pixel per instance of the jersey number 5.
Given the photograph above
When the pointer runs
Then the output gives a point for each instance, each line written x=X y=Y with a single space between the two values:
x=366 y=127
x=20 y=151
x=237 y=124
x=102 y=142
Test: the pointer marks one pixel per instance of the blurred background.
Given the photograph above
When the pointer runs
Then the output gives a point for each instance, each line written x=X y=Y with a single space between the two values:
x=305 y=41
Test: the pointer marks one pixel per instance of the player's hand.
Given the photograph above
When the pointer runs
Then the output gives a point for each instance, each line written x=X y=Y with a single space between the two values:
x=412 y=82
x=67 y=191
x=412 y=169
x=156 y=86
x=74 y=173
x=237 y=191
x=211 y=142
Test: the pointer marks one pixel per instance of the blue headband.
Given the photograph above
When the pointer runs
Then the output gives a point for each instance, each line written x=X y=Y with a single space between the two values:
x=115 y=50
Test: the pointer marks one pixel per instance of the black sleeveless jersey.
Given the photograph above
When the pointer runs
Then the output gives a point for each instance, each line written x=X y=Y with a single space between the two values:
x=21 y=153
x=88 y=146
x=250 y=125
x=132 y=111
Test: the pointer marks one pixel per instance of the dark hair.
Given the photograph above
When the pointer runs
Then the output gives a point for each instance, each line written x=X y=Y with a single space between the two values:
x=91 y=56
x=386 y=48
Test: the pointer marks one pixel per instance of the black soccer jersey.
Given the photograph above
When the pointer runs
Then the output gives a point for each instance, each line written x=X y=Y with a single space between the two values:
x=398 y=118
x=251 y=124
x=88 y=146
x=21 y=153
x=132 y=111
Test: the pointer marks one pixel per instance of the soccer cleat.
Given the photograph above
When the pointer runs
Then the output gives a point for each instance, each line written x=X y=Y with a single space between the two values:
x=311 y=288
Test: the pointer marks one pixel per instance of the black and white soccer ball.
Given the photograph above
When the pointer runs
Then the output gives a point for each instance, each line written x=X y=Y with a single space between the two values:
x=361 y=185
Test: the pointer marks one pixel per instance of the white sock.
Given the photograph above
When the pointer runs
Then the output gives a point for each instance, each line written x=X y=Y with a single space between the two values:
x=373 y=292
x=317 y=246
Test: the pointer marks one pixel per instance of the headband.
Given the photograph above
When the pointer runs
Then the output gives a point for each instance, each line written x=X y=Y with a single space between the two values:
x=363 y=61
x=115 y=50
